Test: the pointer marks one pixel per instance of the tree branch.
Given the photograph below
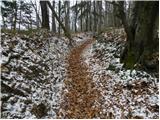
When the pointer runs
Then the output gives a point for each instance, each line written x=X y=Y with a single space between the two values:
x=7 y=88
x=36 y=12
x=66 y=32
x=12 y=57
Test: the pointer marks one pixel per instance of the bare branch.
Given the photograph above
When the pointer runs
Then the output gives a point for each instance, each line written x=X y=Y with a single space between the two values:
x=66 y=32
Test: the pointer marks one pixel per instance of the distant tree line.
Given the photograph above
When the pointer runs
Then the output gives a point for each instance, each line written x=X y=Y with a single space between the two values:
x=81 y=16
x=140 y=20
x=16 y=14
x=76 y=16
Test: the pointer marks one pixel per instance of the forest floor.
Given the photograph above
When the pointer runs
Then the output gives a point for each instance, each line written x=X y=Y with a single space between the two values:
x=98 y=87
x=43 y=78
x=80 y=92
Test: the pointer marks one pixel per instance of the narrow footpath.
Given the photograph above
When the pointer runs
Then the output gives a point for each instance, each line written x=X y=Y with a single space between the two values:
x=80 y=95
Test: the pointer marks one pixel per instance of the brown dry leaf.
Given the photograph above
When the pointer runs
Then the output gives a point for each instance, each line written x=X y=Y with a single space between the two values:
x=78 y=102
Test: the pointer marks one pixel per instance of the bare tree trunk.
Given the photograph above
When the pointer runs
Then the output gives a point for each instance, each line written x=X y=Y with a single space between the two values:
x=90 y=16
x=38 y=20
x=45 y=15
x=66 y=32
x=106 y=22
x=15 y=16
x=87 y=20
x=30 y=21
x=142 y=36
x=100 y=17
x=67 y=14
x=110 y=21
x=53 y=19
x=4 y=23
x=20 y=20
x=95 y=20
x=59 y=15
x=81 y=20
x=75 y=20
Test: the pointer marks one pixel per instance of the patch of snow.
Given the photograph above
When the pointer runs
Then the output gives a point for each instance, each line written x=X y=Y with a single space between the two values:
x=123 y=90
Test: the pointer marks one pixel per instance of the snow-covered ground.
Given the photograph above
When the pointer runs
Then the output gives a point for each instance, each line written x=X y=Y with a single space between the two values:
x=36 y=69
x=125 y=93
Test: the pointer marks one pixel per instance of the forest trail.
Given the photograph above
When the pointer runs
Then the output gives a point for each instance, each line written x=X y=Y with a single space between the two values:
x=80 y=95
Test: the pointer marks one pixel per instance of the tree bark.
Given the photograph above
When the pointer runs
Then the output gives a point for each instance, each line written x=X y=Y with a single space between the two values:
x=59 y=16
x=106 y=15
x=53 y=19
x=45 y=14
x=90 y=16
x=20 y=20
x=95 y=20
x=100 y=15
x=142 y=37
x=30 y=21
x=75 y=20
x=15 y=15
x=81 y=20
x=87 y=8
x=67 y=14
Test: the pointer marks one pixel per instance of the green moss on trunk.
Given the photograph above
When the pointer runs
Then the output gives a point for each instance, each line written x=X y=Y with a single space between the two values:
x=130 y=60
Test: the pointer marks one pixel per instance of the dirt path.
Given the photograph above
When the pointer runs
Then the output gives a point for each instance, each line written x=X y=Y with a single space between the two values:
x=80 y=94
